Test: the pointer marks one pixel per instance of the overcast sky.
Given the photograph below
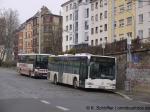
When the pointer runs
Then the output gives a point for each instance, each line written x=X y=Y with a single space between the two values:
x=27 y=8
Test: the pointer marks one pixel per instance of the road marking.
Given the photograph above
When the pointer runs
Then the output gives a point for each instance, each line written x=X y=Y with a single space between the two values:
x=46 y=102
x=144 y=102
x=63 y=108
x=123 y=95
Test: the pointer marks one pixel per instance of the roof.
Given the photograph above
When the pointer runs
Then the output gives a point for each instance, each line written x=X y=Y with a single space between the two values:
x=66 y=3
x=34 y=54
x=83 y=55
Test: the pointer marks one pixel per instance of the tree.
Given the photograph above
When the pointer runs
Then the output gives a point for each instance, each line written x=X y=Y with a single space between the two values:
x=11 y=22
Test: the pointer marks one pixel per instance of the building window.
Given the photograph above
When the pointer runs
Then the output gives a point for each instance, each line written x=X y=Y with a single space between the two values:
x=86 y=36
x=96 y=42
x=76 y=15
x=86 y=25
x=101 y=16
x=115 y=24
x=66 y=8
x=92 y=7
x=129 y=5
x=67 y=28
x=96 y=17
x=105 y=27
x=101 y=3
x=70 y=6
x=101 y=40
x=70 y=16
x=96 y=30
x=121 y=7
x=105 y=14
x=140 y=33
x=129 y=34
x=96 y=5
x=101 y=27
x=70 y=38
x=105 y=2
x=121 y=23
x=140 y=3
x=92 y=18
x=141 y=18
x=92 y=30
x=92 y=43
x=67 y=38
x=106 y=39
x=66 y=48
x=76 y=38
x=66 y=18
x=129 y=21
x=87 y=13
x=70 y=27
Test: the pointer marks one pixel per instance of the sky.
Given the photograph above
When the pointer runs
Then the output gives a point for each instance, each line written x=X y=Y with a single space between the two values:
x=27 y=8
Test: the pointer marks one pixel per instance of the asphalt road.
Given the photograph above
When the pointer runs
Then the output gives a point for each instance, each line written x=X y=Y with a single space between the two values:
x=23 y=94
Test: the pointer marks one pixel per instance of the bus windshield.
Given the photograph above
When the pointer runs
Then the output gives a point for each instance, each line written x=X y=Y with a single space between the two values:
x=41 y=62
x=101 y=68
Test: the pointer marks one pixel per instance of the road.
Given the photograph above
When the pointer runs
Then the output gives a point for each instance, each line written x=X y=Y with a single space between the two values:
x=23 y=94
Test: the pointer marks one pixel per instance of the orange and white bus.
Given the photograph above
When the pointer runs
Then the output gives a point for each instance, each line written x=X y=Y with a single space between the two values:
x=33 y=65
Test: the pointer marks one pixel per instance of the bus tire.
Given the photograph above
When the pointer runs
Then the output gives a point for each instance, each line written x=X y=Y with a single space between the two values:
x=75 y=83
x=29 y=73
x=55 y=79
x=20 y=71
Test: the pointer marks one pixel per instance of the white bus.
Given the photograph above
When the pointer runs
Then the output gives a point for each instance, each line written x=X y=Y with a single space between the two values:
x=33 y=65
x=85 y=71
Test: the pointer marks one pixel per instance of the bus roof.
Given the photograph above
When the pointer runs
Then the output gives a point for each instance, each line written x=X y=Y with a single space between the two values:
x=82 y=55
x=34 y=54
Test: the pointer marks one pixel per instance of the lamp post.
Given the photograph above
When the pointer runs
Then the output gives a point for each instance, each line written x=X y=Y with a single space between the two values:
x=103 y=47
x=129 y=56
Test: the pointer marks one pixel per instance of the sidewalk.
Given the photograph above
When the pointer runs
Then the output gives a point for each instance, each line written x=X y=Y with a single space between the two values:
x=136 y=96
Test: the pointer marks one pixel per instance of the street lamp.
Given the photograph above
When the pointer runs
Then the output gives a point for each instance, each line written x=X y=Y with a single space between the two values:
x=103 y=47
x=129 y=56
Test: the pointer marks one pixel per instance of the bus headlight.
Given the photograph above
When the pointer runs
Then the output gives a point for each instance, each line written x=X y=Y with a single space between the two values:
x=36 y=70
x=112 y=84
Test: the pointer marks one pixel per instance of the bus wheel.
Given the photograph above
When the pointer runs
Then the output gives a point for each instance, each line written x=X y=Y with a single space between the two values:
x=20 y=71
x=75 y=83
x=55 y=80
x=29 y=73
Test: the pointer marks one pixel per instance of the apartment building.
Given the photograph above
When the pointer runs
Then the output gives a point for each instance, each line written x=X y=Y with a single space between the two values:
x=44 y=29
x=98 y=22
x=49 y=27
x=20 y=35
x=122 y=19
x=76 y=18
x=143 y=20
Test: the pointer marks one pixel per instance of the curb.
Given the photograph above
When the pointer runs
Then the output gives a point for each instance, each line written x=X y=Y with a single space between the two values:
x=123 y=95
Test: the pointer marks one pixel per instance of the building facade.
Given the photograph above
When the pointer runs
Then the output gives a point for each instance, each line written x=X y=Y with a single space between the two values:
x=76 y=23
x=122 y=19
x=28 y=37
x=99 y=22
x=44 y=29
x=143 y=20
